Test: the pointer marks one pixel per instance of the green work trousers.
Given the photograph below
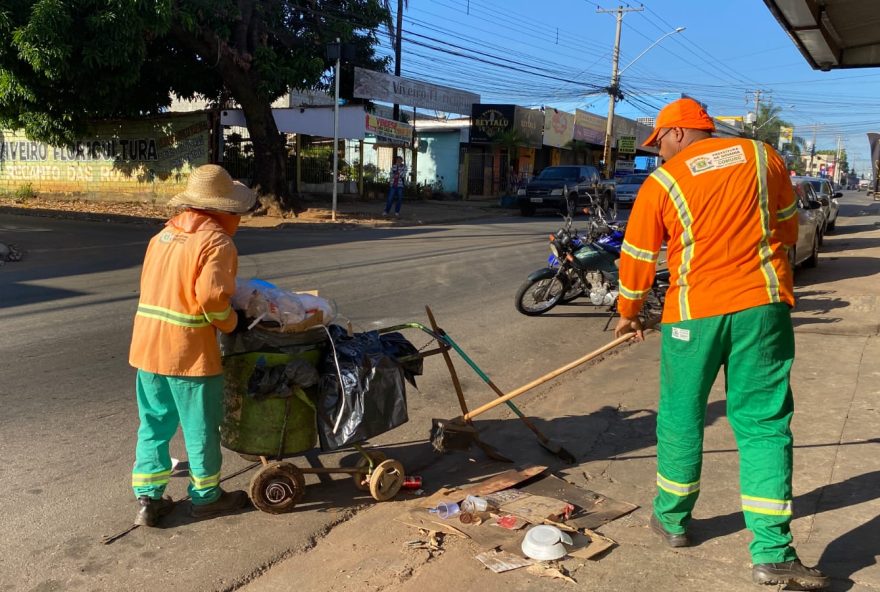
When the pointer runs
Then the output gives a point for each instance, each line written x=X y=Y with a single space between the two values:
x=756 y=349
x=194 y=403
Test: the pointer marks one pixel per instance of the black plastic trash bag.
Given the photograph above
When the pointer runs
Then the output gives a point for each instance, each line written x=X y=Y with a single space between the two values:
x=372 y=399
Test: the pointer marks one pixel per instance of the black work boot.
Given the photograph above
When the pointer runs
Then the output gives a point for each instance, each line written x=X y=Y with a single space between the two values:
x=789 y=573
x=150 y=510
x=229 y=501
x=673 y=540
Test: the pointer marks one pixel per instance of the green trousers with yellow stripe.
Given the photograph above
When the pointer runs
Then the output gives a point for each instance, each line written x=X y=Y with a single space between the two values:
x=194 y=403
x=755 y=347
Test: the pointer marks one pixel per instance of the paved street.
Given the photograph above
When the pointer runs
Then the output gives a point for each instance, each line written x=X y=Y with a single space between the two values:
x=68 y=427
x=67 y=432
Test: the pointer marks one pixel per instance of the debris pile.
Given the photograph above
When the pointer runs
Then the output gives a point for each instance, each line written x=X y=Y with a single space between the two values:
x=524 y=518
x=8 y=252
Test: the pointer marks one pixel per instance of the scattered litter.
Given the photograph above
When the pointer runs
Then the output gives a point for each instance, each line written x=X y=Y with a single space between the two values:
x=537 y=508
x=446 y=510
x=590 y=544
x=499 y=498
x=412 y=482
x=545 y=543
x=502 y=561
x=473 y=504
x=510 y=522
x=592 y=509
x=549 y=571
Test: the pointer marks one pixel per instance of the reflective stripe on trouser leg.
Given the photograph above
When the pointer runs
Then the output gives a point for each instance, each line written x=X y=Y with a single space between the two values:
x=200 y=405
x=158 y=423
x=759 y=408
x=690 y=359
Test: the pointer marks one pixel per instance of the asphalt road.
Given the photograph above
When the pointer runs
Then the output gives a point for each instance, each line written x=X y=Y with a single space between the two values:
x=68 y=421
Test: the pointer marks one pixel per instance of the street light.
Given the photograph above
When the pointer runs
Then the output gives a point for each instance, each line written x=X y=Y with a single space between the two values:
x=614 y=91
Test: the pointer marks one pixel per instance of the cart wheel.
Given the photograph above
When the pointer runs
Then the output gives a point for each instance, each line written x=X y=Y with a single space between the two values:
x=362 y=479
x=277 y=487
x=386 y=480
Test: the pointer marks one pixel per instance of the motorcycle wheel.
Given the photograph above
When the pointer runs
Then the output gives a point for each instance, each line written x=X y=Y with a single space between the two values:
x=574 y=290
x=537 y=297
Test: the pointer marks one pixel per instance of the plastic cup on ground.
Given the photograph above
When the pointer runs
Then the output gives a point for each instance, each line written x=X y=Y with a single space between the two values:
x=473 y=504
x=447 y=510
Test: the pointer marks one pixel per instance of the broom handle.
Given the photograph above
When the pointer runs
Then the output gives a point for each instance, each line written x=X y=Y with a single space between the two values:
x=547 y=377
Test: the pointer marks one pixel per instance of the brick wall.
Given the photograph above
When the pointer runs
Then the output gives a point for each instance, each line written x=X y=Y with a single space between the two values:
x=146 y=160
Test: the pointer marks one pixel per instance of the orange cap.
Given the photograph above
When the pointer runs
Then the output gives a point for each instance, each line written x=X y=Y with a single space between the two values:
x=681 y=113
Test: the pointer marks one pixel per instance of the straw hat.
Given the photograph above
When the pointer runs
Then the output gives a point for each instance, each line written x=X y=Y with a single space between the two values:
x=211 y=188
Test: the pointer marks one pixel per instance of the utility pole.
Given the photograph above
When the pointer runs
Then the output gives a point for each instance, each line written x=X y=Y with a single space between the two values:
x=336 y=128
x=837 y=163
x=397 y=51
x=812 y=149
x=757 y=93
x=614 y=89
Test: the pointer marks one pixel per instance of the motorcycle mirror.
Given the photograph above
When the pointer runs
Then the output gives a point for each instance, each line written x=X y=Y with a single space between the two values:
x=587 y=211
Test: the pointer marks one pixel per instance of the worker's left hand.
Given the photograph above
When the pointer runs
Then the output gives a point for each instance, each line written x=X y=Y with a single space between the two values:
x=629 y=325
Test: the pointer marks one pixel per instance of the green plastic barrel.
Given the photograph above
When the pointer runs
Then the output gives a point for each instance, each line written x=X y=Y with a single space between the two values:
x=258 y=427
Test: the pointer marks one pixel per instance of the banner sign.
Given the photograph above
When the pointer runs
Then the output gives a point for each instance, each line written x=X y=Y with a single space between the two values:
x=489 y=121
x=388 y=128
x=558 y=127
x=589 y=127
x=626 y=144
x=624 y=167
x=530 y=123
x=415 y=93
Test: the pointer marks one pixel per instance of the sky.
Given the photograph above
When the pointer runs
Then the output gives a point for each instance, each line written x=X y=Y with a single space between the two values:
x=558 y=53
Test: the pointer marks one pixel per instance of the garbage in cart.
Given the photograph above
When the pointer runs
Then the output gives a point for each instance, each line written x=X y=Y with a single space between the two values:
x=290 y=377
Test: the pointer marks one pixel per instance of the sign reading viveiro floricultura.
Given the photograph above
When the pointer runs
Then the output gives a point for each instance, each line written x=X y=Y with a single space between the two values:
x=415 y=93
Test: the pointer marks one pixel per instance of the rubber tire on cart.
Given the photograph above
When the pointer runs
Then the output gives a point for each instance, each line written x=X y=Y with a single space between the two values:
x=362 y=480
x=386 y=480
x=277 y=487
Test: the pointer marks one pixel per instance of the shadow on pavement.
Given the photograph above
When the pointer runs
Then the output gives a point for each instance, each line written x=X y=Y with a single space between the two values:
x=818 y=305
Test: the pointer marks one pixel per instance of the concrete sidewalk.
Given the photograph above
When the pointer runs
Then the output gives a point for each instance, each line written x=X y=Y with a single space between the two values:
x=605 y=414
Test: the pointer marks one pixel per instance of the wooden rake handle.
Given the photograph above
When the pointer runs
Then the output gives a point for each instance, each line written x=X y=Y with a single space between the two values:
x=547 y=377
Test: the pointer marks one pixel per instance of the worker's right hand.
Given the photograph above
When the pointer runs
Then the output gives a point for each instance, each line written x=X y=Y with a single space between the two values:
x=630 y=325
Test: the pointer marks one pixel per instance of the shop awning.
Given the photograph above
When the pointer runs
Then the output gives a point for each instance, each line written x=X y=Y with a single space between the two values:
x=831 y=34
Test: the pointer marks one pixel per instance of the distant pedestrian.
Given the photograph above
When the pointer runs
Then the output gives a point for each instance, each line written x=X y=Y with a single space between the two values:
x=727 y=212
x=187 y=282
x=397 y=180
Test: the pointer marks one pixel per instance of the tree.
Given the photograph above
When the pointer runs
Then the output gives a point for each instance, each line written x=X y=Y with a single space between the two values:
x=67 y=63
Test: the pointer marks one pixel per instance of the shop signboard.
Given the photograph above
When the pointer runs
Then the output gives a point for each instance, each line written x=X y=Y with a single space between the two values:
x=589 y=127
x=530 y=123
x=415 y=93
x=314 y=121
x=558 y=127
x=488 y=121
x=389 y=129
x=624 y=167
x=626 y=144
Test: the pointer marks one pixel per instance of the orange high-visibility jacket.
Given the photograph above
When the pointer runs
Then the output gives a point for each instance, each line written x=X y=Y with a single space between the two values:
x=727 y=211
x=186 y=286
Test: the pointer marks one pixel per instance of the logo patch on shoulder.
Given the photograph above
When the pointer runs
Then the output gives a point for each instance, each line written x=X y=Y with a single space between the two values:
x=720 y=159
x=681 y=334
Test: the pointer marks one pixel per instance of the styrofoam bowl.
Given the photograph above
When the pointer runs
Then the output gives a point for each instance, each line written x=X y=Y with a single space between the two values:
x=545 y=543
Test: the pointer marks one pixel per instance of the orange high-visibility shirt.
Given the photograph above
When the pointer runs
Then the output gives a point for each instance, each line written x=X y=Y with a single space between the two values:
x=186 y=286
x=727 y=211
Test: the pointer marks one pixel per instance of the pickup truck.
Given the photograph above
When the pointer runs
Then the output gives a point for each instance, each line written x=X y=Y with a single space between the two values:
x=554 y=184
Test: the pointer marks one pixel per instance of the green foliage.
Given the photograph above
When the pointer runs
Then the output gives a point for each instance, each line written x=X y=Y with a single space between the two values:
x=65 y=63
x=24 y=193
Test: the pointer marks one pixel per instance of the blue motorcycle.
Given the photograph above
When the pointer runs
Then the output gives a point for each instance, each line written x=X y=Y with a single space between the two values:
x=583 y=265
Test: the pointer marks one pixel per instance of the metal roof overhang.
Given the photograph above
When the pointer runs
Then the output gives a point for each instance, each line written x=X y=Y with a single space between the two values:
x=832 y=34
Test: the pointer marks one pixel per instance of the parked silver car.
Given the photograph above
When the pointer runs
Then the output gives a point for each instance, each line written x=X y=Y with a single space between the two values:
x=627 y=188
x=828 y=198
x=810 y=219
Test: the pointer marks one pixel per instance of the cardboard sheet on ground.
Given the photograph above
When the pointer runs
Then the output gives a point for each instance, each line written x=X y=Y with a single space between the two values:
x=502 y=561
x=420 y=518
x=535 y=508
x=491 y=485
x=596 y=509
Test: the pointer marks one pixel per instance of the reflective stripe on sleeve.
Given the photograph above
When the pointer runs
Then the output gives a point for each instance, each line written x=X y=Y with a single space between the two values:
x=676 y=488
x=637 y=253
x=219 y=316
x=786 y=213
x=205 y=482
x=142 y=479
x=631 y=294
x=764 y=252
x=687 y=237
x=763 y=505
x=169 y=316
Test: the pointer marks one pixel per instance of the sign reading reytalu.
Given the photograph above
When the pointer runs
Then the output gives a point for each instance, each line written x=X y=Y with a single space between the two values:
x=415 y=93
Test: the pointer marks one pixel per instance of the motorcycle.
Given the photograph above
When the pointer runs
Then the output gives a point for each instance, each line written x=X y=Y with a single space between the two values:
x=585 y=265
